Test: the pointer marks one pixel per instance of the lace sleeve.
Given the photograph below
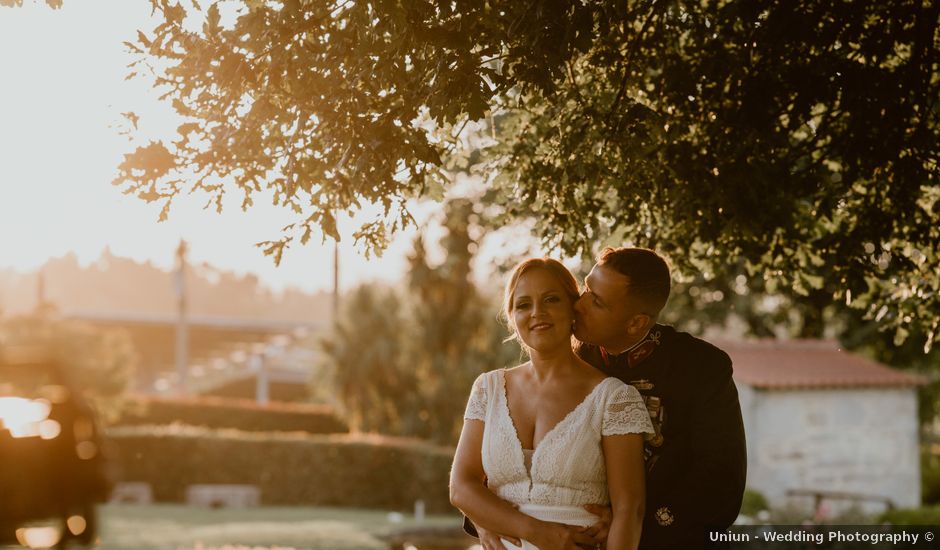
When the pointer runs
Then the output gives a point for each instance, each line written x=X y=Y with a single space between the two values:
x=476 y=405
x=625 y=413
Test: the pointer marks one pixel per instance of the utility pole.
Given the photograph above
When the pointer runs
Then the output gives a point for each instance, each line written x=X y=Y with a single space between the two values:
x=258 y=364
x=41 y=308
x=335 y=281
x=336 y=269
x=182 y=336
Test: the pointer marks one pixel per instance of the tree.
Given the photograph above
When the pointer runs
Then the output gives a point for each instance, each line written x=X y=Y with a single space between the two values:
x=399 y=363
x=456 y=335
x=54 y=4
x=799 y=136
x=364 y=355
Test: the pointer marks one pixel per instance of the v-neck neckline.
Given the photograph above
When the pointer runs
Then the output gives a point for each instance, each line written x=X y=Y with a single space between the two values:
x=549 y=433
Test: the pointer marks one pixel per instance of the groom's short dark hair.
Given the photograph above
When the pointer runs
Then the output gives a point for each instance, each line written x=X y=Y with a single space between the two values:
x=647 y=272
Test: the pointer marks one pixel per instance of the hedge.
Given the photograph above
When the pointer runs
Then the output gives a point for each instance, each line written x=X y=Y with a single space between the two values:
x=753 y=503
x=928 y=515
x=363 y=471
x=241 y=414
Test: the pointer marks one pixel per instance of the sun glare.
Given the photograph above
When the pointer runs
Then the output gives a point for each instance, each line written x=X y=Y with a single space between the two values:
x=77 y=525
x=26 y=417
x=38 y=537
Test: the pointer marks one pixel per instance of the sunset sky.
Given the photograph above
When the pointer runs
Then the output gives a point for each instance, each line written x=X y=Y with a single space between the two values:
x=63 y=91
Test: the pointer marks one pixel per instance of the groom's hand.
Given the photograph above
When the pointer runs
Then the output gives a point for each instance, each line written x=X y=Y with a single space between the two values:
x=491 y=541
x=596 y=534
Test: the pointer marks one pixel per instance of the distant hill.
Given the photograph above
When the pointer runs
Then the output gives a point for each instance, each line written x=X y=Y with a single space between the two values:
x=119 y=285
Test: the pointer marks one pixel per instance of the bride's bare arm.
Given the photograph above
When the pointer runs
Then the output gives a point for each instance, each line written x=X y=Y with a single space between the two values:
x=626 y=482
x=469 y=493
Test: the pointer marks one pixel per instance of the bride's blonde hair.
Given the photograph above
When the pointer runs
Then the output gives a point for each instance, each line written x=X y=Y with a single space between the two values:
x=568 y=283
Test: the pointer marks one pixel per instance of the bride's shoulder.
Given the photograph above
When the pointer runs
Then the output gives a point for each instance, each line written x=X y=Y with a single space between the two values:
x=517 y=367
x=496 y=374
x=616 y=386
x=518 y=370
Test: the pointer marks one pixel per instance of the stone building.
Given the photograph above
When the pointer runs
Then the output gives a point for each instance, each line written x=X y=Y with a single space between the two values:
x=827 y=428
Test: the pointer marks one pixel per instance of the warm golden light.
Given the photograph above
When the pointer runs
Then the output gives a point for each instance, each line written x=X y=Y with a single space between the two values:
x=55 y=393
x=38 y=537
x=89 y=148
x=23 y=416
x=86 y=450
x=76 y=524
x=83 y=429
x=49 y=429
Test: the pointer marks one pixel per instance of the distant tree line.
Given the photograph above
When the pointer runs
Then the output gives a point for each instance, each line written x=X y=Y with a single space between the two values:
x=114 y=284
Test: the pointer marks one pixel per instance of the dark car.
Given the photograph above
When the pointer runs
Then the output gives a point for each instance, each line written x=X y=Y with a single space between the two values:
x=52 y=468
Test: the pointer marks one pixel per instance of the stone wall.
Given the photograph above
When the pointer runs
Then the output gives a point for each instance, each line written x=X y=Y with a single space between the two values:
x=846 y=440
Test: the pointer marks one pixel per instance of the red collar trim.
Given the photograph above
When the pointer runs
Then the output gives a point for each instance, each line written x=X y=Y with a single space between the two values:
x=638 y=352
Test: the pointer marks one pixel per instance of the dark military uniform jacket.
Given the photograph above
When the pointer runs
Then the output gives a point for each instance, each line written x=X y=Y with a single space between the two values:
x=696 y=461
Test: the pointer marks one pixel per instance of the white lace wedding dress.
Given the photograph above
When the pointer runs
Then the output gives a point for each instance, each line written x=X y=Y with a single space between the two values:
x=567 y=467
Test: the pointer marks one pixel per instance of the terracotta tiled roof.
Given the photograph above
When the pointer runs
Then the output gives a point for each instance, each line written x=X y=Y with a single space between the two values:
x=779 y=364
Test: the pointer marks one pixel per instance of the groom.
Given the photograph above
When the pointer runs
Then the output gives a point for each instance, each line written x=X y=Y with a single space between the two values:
x=696 y=461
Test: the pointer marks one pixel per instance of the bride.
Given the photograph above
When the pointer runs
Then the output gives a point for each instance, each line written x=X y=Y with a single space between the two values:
x=542 y=440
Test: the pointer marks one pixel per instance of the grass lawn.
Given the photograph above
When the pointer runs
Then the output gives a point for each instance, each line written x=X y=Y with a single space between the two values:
x=178 y=527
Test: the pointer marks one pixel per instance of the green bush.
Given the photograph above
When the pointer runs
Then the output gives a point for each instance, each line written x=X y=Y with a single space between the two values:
x=753 y=503
x=928 y=515
x=241 y=414
x=364 y=471
x=929 y=475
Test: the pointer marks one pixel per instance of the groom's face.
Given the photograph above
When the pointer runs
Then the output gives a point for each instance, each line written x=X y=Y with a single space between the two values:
x=603 y=313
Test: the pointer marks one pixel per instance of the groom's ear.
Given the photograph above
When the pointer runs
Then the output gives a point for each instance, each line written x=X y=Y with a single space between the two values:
x=639 y=323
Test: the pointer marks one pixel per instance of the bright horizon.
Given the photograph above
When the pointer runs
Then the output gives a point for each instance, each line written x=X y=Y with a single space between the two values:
x=60 y=116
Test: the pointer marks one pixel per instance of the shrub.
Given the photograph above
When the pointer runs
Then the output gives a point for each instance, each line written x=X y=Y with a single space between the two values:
x=753 y=502
x=929 y=475
x=928 y=515
x=241 y=414
x=365 y=471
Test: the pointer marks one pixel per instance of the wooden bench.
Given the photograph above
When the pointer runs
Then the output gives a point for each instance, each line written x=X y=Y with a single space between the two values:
x=132 y=492
x=223 y=496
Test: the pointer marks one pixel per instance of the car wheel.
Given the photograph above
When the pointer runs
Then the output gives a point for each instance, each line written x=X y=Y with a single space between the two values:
x=90 y=513
x=86 y=536
x=66 y=535
x=7 y=533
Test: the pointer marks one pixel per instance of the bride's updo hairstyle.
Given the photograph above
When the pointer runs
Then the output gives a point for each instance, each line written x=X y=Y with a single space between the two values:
x=568 y=283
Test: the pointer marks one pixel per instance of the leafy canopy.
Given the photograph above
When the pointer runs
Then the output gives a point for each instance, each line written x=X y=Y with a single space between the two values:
x=54 y=4
x=798 y=137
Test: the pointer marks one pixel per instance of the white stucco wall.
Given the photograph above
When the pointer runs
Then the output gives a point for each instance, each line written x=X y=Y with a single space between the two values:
x=849 y=440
